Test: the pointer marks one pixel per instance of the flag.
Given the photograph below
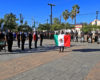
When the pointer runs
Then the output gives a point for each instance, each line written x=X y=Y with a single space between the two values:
x=67 y=39
x=56 y=39
x=62 y=40
x=34 y=36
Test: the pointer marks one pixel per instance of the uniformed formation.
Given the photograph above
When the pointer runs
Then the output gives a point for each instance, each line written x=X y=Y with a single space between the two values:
x=21 y=37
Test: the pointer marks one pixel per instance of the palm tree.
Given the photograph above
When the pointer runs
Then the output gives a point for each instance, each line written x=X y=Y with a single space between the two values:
x=75 y=11
x=72 y=15
x=65 y=15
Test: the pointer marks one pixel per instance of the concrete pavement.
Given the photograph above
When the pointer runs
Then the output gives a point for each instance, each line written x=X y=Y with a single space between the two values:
x=74 y=64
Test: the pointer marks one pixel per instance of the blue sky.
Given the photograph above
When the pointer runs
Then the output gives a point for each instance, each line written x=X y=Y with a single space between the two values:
x=40 y=11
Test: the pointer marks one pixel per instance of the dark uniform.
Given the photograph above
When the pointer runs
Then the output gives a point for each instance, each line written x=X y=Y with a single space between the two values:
x=76 y=35
x=18 y=39
x=36 y=39
x=30 y=40
x=23 y=37
x=41 y=39
x=9 y=41
x=2 y=38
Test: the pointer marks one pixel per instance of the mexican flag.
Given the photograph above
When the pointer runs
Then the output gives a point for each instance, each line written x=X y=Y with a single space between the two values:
x=34 y=36
x=62 y=40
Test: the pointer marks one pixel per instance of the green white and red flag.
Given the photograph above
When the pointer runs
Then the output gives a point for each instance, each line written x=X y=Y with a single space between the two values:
x=62 y=40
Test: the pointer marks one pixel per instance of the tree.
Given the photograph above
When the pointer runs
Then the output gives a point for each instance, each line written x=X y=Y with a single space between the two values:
x=1 y=21
x=75 y=11
x=56 y=21
x=44 y=27
x=72 y=15
x=65 y=15
x=25 y=27
x=10 y=21
x=26 y=23
x=67 y=26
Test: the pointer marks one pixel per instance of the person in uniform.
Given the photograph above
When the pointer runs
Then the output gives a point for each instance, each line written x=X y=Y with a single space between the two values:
x=35 y=39
x=23 y=37
x=30 y=40
x=18 y=39
x=2 y=38
x=1 y=35
x=41 y=38
x=9 y=38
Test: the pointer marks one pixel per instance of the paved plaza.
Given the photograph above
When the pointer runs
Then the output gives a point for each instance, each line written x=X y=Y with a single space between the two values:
x=79 y=62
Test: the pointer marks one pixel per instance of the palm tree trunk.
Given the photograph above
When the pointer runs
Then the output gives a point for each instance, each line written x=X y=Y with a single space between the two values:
x=75 y=19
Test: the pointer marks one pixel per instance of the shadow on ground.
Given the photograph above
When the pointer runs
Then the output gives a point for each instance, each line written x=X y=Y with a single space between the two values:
x=86 y=50
x=45 y=48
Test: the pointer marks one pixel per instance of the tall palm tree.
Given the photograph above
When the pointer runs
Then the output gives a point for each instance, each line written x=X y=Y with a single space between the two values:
x=75 y=11
x=72 y=15
x=65 y=15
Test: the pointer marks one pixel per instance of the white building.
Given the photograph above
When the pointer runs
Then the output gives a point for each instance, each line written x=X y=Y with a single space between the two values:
x=78 y=28
x=96 y=21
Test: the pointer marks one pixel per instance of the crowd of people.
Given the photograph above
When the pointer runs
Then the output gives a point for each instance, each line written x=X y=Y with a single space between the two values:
x=89 y=37
x=21 y=37
x=8 y=38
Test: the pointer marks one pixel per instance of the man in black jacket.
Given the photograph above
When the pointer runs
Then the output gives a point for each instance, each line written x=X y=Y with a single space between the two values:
x=30 y=39
x=23 y=37
x=9 y=38
x=18 y=39
x=41 y=38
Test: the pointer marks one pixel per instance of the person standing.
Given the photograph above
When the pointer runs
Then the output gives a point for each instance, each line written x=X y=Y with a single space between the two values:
x=23 y=37
x=18 y=39
x=41 y=38
x=30 y=40
x=2 y=38
x=9 y=38
x=61 y=40
x=76 y=35
x=35 y=36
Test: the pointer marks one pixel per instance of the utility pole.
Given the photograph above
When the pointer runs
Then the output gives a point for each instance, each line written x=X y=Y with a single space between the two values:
x=97 y=12
x=32 y=23
x=21 y=19
x=60 y=19
x=47 y=21
x=51 y=5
